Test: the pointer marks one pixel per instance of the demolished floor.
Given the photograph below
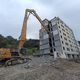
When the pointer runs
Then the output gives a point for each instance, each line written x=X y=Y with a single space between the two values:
x=42 y=68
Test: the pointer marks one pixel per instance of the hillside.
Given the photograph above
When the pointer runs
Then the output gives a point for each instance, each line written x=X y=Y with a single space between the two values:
x=10 y=42
x=31 y=45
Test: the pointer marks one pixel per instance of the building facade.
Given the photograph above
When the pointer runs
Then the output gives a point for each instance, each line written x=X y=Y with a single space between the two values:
x=62 y=42
x=78 y=43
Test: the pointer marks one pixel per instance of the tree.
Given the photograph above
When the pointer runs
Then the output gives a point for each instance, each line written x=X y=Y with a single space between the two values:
x=2 y=41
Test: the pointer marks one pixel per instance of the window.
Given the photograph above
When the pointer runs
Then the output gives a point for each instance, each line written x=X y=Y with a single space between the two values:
x=68 y=49
x=54 y=49
x=66 y=29
x=61 y=36
x=62 y=42
x=64 y=34
x=71 y=49
x=77 y=56
x=59 y=26
x=62 y=26
x=65 y=38
x=66 y=43
x=53 y=38
x=57 y=54
x=63 y=48
x=51 y=29
x=70 y=45
x=67 y=33
x=73 y=56
x=60 y=31
x=68 y=55
x=63 y=30
x=70 y=41
x=53 y=44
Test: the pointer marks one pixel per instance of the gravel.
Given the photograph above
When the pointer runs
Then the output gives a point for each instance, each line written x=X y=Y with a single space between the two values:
x=42 y=68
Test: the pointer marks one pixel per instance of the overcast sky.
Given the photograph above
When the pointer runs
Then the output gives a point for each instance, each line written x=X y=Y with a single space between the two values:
x=12 y=14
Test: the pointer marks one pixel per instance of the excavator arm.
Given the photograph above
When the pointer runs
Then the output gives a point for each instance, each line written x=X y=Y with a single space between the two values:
x=33 y=12
x=22 y=38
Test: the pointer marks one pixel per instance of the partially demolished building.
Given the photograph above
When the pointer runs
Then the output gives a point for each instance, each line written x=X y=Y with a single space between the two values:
x=62 y=43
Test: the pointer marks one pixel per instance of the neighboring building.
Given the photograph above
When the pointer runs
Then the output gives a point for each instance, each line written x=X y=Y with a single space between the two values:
x=62 y=43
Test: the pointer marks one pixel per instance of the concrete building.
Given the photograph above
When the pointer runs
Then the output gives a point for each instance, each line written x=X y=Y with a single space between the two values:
x=62 y=43
x=78 y=43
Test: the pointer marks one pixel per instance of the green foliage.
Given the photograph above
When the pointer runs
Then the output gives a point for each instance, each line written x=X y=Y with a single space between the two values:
x=10 y=42
x=2 y=41
x=31 y=50
x=32 y=43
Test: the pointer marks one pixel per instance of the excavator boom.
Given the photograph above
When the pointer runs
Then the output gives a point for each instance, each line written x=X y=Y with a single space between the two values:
x=22 y=37
x=24 y=27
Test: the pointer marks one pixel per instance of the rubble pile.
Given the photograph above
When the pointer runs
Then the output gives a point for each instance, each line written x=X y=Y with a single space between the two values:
x=42 y=68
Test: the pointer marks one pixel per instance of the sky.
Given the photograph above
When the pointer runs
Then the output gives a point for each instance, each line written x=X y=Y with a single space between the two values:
x=12 y=14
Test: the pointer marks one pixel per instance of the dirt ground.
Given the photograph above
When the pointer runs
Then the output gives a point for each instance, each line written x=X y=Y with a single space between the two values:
x=42 y=68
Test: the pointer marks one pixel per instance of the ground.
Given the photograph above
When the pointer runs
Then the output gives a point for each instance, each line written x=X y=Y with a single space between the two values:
x=42 y=68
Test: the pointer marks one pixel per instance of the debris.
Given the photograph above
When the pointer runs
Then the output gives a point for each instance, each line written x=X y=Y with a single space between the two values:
x=42 y=68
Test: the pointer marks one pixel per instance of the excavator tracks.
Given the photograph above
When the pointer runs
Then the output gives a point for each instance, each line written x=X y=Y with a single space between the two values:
x=15 y=61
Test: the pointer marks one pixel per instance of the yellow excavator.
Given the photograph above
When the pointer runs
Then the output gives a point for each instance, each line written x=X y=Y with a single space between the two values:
x=11 y=57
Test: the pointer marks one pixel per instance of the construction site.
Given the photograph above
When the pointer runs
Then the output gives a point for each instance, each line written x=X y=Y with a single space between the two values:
x=58 y=57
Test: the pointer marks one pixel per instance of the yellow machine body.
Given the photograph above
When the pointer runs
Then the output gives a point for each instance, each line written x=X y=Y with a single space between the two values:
x=5 y=53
